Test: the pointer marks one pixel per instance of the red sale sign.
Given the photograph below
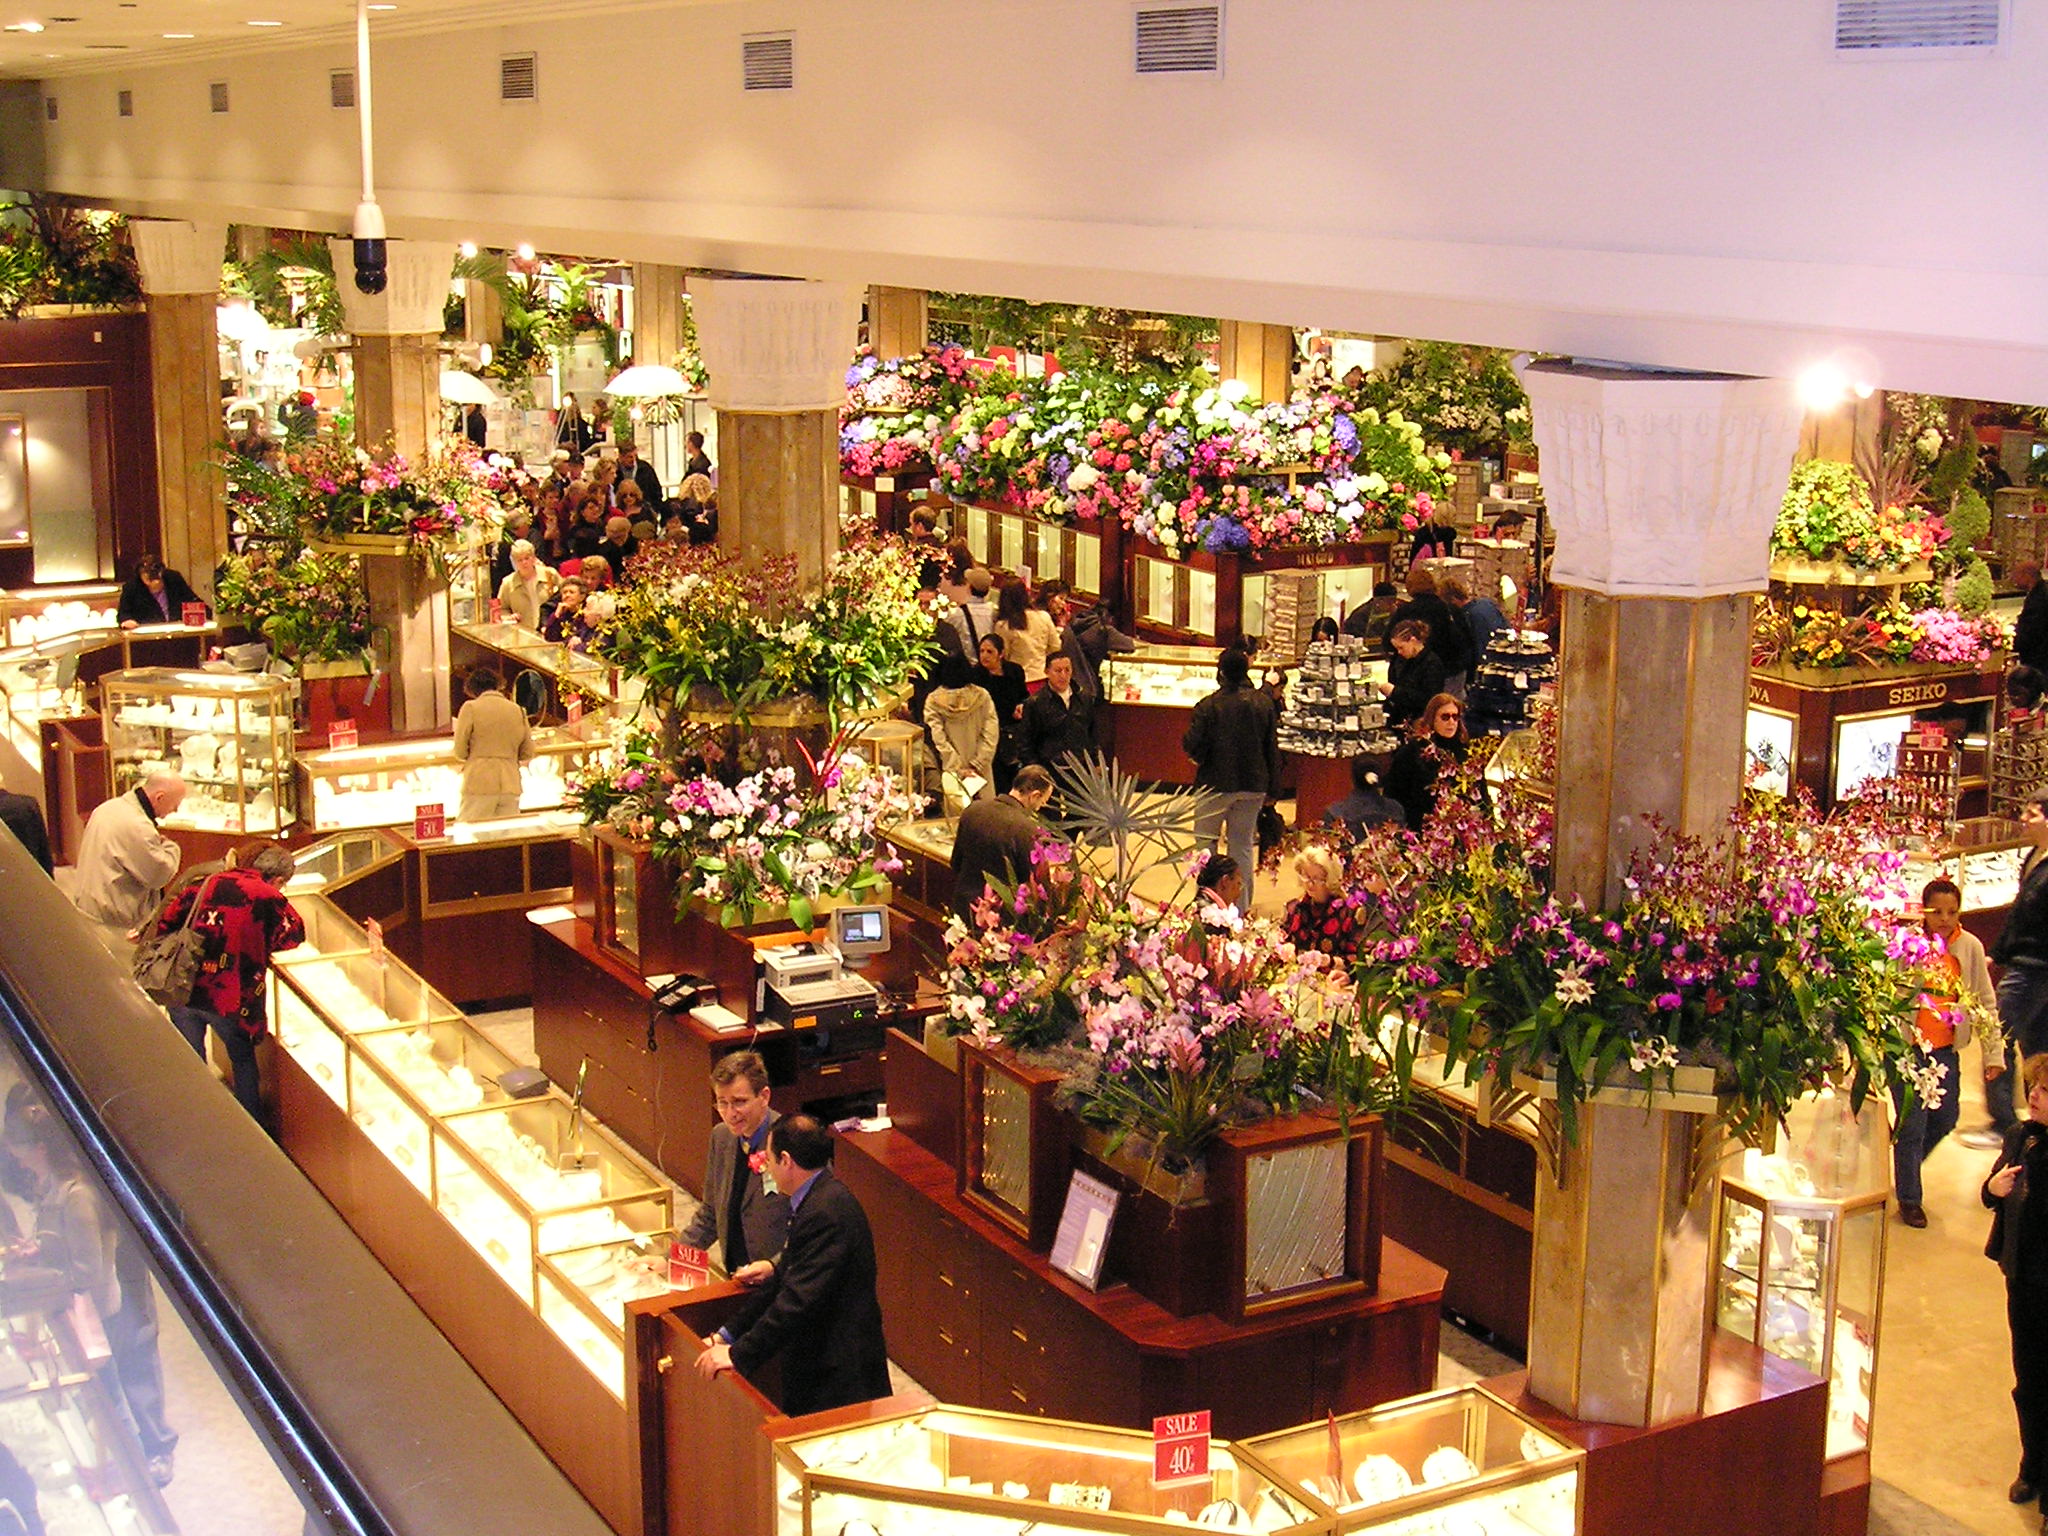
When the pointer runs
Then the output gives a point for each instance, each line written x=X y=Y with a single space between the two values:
x=572 y=708
x=688 y=1267
x=429 y=822
x=341 y=736
x=1180 y=1448
x=195 y=615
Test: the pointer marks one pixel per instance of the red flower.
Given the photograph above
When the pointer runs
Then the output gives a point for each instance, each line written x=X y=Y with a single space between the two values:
x=758 y=1161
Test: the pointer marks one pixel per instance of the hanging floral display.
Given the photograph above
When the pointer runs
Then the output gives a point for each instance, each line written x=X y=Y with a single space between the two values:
x=309 y=607
x=1814 y=635
x=1829 y=514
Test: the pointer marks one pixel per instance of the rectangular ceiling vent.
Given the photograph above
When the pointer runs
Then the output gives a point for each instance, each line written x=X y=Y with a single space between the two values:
x=768 y=62
x=124 y=104
x=1883 y=26
x=519 y=77
x=217 y=95
x=341 y=88
x=1180 y=40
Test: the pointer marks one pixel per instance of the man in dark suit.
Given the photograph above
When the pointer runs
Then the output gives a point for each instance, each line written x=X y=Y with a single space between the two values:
x=818 y=1311
x=636 y=469
x=1059 y=719
x=742 y=1207
x=155 y=594
x=994 y=838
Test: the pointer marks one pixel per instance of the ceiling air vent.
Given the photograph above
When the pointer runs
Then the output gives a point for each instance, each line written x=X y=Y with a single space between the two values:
x=768 y=62
x=217 y=95
x=124 y=104
x=341 y=88
x=1874 y=26
x=519 y=77
x=1180 y=40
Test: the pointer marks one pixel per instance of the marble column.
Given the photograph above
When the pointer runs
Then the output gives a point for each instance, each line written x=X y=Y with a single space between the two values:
x=1663 y=489
x=899 y=320
x=397 y=355
x=180 y=264
x=1259 y=356
x=659 y=309
x=777 y=353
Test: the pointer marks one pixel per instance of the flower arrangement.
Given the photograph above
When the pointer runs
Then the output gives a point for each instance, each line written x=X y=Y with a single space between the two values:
x=693 y=617
x=895 y=407
x=1464 y=398
x=1811 y=635
x=625 y=787
x=333 y=489
x=1775 y=954
x=1011 y=975
x=769 y=839
x=1829 y=514
x=309 y=607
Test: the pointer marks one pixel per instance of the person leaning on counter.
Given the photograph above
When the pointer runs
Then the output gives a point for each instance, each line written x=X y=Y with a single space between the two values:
x=742 y=1208
x=155 y=594
x=492 y=738
x=817 y=1310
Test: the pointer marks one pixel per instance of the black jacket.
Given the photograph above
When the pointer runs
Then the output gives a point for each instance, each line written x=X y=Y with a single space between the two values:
x=1054 y=730
x=1087 y=641
x=2030 y=630
x=1234 y=738
x=2018 y=1235
x=1449 y=637
x=994 y=838
x=764 y=1212
x=1412 y=775
x=1416 y=680
x=650 y=487
x=2024 y=939
x=820 y=1313
x=137 y=603
x=24 y=818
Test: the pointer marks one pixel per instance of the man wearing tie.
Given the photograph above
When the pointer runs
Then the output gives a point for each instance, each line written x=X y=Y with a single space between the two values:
x=742 y=1207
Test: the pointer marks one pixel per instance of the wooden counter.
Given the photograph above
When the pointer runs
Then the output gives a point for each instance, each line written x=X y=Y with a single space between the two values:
x=979 y=1319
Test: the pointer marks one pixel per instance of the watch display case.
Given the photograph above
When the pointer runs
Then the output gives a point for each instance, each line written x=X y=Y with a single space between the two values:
x=1171 y=594
x=1801 y=1250
x=1457 y=1461
x=966 y=1472
x=565 y=1214
x=1176 y=676
x=382 y=785
x=526 y=649
x=1044 y=551
x=337 y=860
x=228 y=734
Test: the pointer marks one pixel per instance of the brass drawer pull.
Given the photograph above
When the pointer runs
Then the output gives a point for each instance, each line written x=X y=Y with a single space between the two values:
x=1019 y=1395
x=1020 y=1336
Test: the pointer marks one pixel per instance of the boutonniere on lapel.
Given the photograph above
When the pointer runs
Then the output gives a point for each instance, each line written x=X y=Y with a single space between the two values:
x=758 y=1161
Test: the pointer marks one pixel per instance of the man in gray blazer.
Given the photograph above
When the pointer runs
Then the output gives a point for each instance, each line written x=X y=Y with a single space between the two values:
x=741 y=1206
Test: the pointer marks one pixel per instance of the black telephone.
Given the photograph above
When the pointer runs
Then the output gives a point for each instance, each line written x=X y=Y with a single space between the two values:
x=684 y=992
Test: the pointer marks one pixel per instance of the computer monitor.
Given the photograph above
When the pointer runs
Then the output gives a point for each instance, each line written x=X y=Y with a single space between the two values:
x=860 y=932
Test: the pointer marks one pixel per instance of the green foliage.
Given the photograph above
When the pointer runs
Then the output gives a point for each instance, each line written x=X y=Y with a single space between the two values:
x=1952 y=472
x=1077 y=334
x=1464 y=398
x=1973 y=587
x=292 y=284
x=1969 y=519
x=53 y=254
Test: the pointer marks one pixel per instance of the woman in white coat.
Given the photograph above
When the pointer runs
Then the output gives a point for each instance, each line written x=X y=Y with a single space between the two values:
x=962 y=720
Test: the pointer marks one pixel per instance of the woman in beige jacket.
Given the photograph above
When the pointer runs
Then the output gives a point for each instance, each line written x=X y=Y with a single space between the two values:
x=492 y=738
x=962 y=721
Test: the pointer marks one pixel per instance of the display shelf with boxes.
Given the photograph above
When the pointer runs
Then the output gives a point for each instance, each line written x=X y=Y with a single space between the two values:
x=565 y=1214
x=1276 y=594
x=967 y=1471
x=1333 y=703
x=384 y=785
x=1517 y=665
x=1459 y=1460
x=1800 y=1251
x=227 y=734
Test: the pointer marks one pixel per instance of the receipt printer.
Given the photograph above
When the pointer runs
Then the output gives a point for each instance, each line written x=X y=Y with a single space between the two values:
x=789 y=965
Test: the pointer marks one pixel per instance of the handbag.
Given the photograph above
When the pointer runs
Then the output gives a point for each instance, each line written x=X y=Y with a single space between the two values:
x=167 y=965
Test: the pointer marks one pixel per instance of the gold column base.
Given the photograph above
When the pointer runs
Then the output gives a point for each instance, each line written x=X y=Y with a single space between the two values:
x=1618 y=1317
x=406 y=602
x=778 y=486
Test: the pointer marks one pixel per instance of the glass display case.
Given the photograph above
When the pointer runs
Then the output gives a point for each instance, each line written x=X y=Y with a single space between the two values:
x=34 y=615
x=338 y=860
x=526 y=649
x=1801 y=1250
x=1044 y=551
x=562 y=1211
x=1172 y=594
x=382 y=785
x=967 y=1472
x=1454 y=1461
x=1178 y=676
x=228 y=734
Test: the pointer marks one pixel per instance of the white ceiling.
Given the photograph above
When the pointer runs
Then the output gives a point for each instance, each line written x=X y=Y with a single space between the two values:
x=111 y=34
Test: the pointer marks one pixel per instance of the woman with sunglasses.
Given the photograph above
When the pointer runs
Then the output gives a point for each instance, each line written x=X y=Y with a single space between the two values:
x=1436 y=743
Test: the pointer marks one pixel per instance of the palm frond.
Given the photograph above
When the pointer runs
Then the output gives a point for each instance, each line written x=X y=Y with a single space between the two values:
x=1146 y=827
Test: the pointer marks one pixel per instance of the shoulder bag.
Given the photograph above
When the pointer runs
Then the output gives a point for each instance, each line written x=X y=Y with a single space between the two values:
x=166 y=965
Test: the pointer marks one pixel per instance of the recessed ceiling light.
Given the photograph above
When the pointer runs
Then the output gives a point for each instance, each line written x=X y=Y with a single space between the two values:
x=264 y=23
x=180 y=34
x=384 y=7
x=23 y=26
x=467 y=249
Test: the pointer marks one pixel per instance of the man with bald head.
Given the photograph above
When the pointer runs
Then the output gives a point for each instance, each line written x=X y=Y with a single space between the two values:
x=124 y=862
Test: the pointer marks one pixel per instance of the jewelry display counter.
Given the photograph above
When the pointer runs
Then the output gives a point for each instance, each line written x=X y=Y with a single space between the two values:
x=522 y=1227
x=383 y=785
x=1148 y=698
x=228 y=734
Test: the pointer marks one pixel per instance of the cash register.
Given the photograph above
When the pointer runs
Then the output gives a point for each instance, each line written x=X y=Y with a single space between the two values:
x=810 y=986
